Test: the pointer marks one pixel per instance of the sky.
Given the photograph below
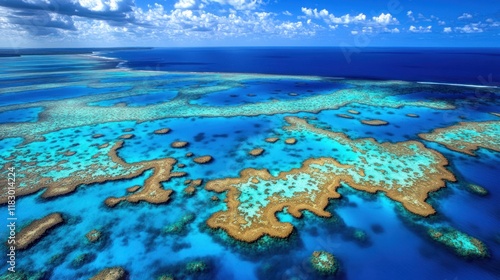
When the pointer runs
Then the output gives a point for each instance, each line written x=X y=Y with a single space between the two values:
x=180 y=23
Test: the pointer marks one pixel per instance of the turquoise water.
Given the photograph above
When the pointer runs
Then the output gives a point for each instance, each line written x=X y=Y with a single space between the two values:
x=371 y=236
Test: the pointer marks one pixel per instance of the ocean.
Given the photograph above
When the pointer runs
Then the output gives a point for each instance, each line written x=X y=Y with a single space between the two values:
x=384 y=160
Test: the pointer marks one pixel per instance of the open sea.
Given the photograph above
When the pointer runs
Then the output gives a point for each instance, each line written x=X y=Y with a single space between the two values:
x=250 y=163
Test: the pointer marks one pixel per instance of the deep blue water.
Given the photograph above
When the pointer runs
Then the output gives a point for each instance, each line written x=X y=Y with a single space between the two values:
x=451 y=65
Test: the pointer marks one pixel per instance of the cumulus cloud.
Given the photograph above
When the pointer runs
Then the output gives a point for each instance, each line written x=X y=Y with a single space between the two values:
x=330 y=19
x=287 y=13
x=347 y=19
x=447 y=30
x=122 y=20
x=469 y=28
x=385 y=19
x=465 y=16
x=185 y=4
x=420 y=29
x=314 y=12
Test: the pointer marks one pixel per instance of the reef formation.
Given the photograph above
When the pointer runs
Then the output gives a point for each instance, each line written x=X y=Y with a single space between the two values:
x=254 y=198
x=467 y=137
x=36 y=230
x=61 y=177
x=324 y=263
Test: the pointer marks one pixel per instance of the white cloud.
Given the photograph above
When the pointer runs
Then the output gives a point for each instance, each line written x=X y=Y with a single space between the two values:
x=465 y=16
x=287 y=13
x=315 y=13
x=410 y=15
x=447 y=30
x=354 y=32
x=367 y=29
x=185 y=4
x=347 y=19
x=153 y=25
x=333 y=26
x=393 y=30
x=469 y=28
x=441 y=22
x=420 y=29
x=385 y=19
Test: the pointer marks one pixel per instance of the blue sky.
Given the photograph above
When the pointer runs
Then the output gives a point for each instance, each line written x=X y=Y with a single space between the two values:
x=165 y=23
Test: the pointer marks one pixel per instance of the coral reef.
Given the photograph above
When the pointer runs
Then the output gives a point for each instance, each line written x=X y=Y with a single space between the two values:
x=133 y=189
x=254 y=198
x=180 y=226
x=466 y=137
x=203 y=159
x=272 y=139
x=83 y=113
x=191 y=188
x=162 y=131
x=461 y=243
x=476 y=189
x=324 y=263
x=113 y=273
x=412 y=115
x=127 y=136
x=93 y=235
x=36 y=230
x=373 y=162
x=345 y=116
x=374 y=122
x=291 y=141
x=256 y=152
x=82 y=260
x=353 y=112
x=107 y=167
x=179 y=144
x=196 y=267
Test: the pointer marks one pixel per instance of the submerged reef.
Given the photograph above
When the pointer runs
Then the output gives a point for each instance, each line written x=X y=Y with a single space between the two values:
x=476 y=189
x=81 y=111
x=93 y=235
x=254 y=198
x=196 y=267
x=324 y=263
x=466 y=137
x=36 y=230
x=180 y=226
x=461 y=243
